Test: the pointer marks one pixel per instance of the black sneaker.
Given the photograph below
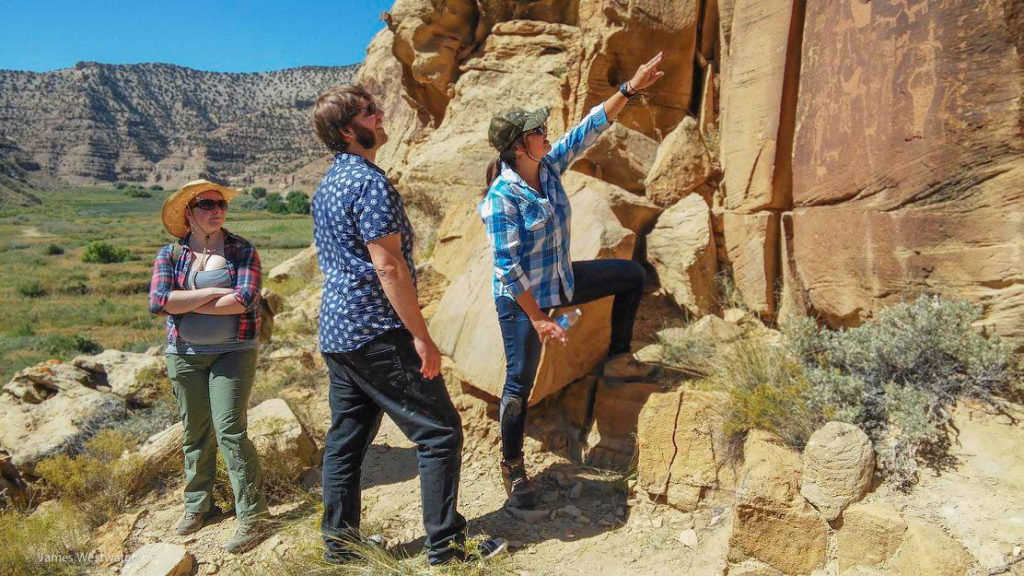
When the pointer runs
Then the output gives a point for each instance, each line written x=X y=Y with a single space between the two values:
x=517 y=485
x=485 y=550
x=343 y=556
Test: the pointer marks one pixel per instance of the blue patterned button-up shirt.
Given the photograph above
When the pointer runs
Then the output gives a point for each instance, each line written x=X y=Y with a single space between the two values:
x=529 y=231
x=353 y=205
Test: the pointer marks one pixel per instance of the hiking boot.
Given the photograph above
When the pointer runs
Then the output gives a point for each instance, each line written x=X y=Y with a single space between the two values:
x=517 y=485
x=487 y=549
x=248 y=534
x=193 y=521
x=623 y=367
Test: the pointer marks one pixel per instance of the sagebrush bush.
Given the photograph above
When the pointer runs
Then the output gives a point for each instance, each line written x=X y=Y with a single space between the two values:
x=32 y=289
x=53 y=250
x=899 y=376
x=97 y=481
x=60 y=345
x=51 y=542
x=100 y=252
x=767 y=390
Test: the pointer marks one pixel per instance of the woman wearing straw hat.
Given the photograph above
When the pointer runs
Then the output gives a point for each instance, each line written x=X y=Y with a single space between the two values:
x=527 y=213
x=208 y=285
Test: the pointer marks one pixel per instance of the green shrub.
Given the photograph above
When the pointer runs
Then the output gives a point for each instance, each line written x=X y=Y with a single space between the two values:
x=688 y=352
x=898 y=378
x=32 y=288
x=98 y=481
x=767 y=390
x=53 y=250
x=133 y=192
x=50 y=542
x=156 y=187
x=74 y=288
x=121 y=185
x=100 y=252
x=258 y=192
x=59 y=345
x=297 y=202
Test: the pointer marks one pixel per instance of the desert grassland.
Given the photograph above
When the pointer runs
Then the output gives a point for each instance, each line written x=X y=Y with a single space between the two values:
x=53 y=305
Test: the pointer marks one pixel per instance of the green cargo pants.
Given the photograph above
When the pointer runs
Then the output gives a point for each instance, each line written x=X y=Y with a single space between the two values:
x=212 y=393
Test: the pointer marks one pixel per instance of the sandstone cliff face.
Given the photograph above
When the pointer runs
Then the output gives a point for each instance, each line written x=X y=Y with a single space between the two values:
x=835 y=182
x=163 y=123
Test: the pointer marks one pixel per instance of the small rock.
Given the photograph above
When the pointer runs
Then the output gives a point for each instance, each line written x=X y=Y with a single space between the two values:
x=576 y=490
x=570 y=511
x=530 y=516
x=715 y=519
x=562 y=479
x=688 y=538
x=159 y=559
x=1016 y=551
x=657 y=522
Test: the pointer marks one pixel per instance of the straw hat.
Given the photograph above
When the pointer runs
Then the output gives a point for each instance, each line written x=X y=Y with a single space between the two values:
x=173 y=213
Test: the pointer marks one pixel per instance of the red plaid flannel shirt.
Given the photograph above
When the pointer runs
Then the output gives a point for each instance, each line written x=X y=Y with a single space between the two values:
x=243 y=267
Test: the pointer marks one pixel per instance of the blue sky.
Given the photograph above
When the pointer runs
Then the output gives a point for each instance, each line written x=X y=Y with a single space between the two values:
x=226 y=36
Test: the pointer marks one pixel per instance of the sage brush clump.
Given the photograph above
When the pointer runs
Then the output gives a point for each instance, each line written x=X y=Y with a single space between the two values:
x=899 y=376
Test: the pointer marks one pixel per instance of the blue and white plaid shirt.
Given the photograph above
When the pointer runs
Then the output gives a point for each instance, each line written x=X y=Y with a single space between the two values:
x=529 y=231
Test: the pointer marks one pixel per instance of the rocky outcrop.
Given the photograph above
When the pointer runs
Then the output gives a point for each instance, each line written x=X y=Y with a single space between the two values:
x=302 y=266
x=103 y=123
x=870 y=535
x=620 y=156
x=52 y=407
x=138 y=378
x=903 y=167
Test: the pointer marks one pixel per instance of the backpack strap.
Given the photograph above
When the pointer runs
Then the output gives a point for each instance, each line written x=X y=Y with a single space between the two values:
x=175 y=255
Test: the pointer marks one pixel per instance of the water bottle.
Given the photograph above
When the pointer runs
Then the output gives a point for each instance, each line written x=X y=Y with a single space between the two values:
x=569 y=318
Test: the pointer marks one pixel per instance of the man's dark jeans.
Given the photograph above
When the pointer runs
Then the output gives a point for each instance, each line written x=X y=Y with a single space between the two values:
x=383 y=376
x=594 y=279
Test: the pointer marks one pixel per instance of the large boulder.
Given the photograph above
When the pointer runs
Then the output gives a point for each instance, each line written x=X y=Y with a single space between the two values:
x=904 y=167
x=869 y=536
x=465 y=325
x=679 y=439
x=682 y=165
x=275 y=429
x=928 y=551
x=612 y=438
x=50 y=408
x=795 y=541
x=635 y=213
x=838 y=464
x=137 y=378
x=771 y=473
x=302 y=266
x=682 y=250
x=620 y=156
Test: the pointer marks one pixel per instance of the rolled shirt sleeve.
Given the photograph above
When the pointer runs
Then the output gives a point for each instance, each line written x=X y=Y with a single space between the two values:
x=500 y=217
x=162 y=281
x=578 y=138
x=249 y=277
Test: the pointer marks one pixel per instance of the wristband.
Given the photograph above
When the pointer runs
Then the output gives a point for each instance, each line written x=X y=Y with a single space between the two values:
x=624 y=90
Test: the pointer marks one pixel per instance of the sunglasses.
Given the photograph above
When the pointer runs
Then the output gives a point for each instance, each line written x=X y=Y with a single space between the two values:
x=210 y=204
x=542 y=130
x=370 y=109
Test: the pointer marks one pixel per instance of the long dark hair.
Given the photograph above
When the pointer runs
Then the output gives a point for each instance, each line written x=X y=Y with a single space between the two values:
x=508 y=156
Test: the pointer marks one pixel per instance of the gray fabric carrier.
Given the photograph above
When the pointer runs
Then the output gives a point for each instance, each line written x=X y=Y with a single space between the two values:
x=208 y=328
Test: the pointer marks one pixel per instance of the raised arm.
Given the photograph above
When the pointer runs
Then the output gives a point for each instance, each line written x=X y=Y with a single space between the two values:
x=584 y=134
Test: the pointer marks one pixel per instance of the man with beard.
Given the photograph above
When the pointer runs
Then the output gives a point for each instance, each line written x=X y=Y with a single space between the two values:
x=373 y=338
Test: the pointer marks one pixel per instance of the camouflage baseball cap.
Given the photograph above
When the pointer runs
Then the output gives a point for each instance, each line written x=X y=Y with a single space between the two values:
x=507 y=126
